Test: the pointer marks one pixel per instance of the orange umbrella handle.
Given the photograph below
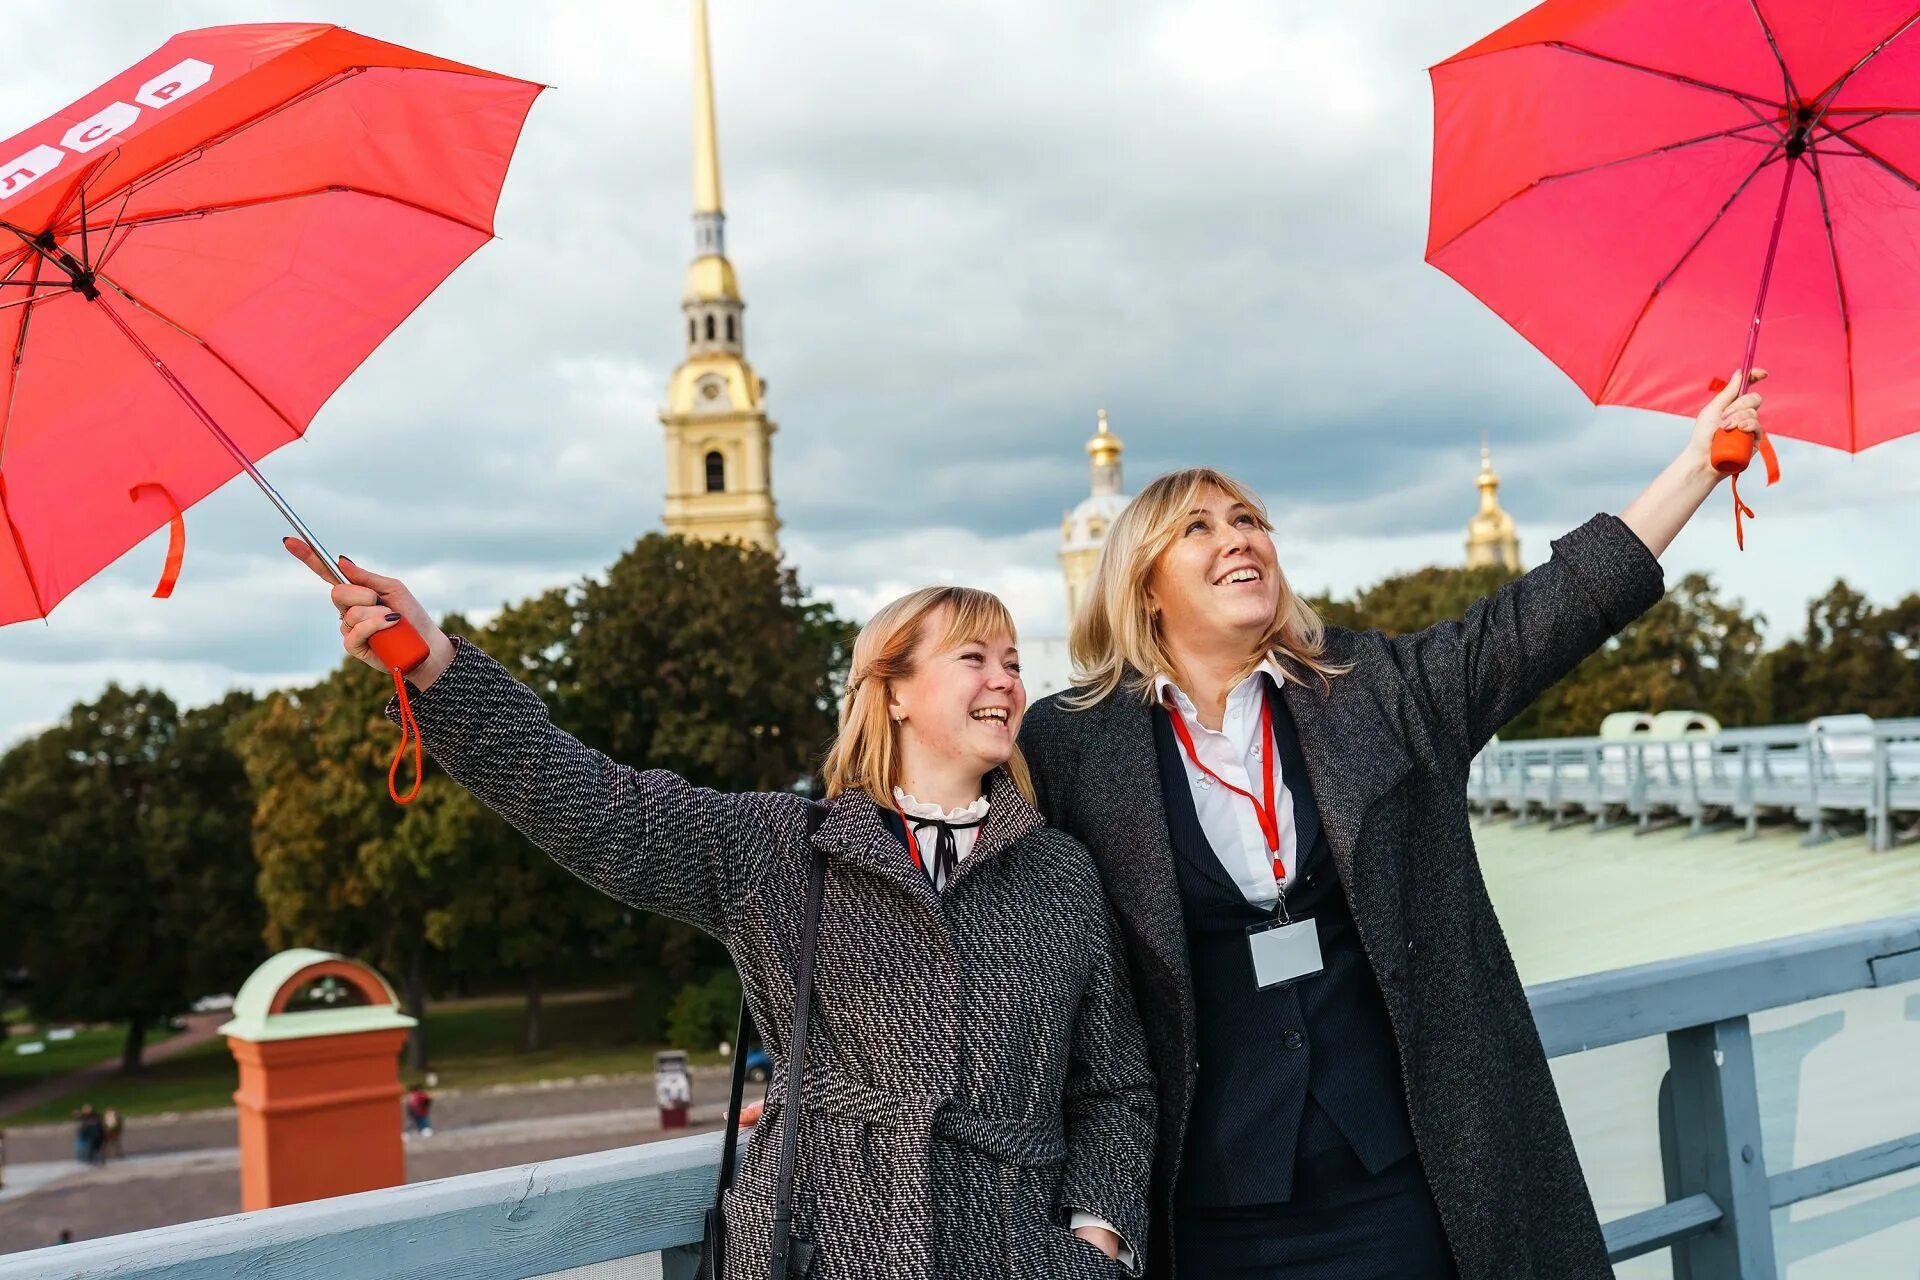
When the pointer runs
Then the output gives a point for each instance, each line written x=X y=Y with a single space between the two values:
x=1732 y=451
x=402 y=649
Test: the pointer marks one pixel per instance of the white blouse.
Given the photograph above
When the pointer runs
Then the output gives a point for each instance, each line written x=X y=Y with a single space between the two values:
x=1234 y=752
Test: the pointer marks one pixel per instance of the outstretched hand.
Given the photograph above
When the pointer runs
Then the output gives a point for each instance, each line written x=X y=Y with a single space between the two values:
x=368 y=604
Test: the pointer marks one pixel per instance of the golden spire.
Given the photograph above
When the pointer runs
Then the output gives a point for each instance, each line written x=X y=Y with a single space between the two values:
x=710 y=278
x=1105 y=449
x=1489 y=481
x=706 y=140
x=1491 y=536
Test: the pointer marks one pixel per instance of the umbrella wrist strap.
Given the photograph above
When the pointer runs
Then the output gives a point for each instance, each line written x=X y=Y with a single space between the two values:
x=409 y=737
x=1741 y=511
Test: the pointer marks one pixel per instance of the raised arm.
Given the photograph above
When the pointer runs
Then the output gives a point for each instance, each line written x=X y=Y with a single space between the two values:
x=1476 y=674
x=646 y=837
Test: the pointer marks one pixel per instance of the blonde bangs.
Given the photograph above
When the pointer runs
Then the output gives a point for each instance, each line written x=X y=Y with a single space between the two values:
x=865 y=755
x=975 y=618
x=1116 y=640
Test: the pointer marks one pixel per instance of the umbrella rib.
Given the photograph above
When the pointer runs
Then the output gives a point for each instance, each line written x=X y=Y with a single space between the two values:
x=129 y=225
x=1733 y=134
x=205 y=346
x=1786 y=76
x=6 y=418
x=1592 y=168
x=1840 y=288
x=199 y=152
x=1674 y=76
x=1653 y=295
x=1874 y=156
x=1832 y=91
x=13 y=377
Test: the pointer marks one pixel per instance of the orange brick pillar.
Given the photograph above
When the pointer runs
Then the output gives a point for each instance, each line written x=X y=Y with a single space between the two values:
x=319 y=1080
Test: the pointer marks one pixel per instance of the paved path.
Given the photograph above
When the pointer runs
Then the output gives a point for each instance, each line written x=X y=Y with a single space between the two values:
x=200 y=1029
x=162 y=1188
x=452 y=1109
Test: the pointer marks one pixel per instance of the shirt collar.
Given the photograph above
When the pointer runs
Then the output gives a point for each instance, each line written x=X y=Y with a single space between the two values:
x=934 y=813
x=1162 y=683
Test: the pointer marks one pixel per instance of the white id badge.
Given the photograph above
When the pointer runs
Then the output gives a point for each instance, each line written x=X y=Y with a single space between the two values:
x=1284 y=951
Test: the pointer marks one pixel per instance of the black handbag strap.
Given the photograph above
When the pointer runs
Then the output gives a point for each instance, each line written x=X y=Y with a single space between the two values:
x=803 y=992
x=796 y=1068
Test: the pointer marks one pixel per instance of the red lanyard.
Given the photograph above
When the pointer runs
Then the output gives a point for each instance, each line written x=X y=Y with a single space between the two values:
x=913 y=844
x=1268 y=813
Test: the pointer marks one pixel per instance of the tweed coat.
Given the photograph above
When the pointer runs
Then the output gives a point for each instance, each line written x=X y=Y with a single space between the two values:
x=975 y=1067
x=1387 y=747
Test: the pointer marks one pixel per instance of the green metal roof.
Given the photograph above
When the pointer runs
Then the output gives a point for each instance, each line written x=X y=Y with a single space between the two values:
x=1577 y=901
x=253 y=1020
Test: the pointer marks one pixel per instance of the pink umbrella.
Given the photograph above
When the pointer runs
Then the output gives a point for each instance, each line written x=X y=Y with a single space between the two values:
x=1633 y=184
x=195 y=255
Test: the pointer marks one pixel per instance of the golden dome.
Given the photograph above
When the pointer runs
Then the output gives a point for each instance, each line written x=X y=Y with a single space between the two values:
x=710 y=279
x=1105 y=447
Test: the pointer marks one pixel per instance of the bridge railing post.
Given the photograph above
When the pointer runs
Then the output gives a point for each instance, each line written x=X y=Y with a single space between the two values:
x=1711 y=1145
x=1880 y=819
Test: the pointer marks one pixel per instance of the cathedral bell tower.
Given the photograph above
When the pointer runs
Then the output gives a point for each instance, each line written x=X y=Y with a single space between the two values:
x=1083 y=531
x=719 y=438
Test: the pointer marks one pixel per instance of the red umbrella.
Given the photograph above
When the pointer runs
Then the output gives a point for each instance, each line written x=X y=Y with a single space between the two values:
x=197 y=253
x=1632 y=183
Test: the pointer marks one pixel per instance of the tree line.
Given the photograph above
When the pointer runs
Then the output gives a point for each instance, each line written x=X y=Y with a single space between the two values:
x=1695 y=650
x=152 y=854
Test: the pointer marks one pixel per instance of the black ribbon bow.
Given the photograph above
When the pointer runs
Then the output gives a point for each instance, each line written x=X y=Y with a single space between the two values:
x=946 y=854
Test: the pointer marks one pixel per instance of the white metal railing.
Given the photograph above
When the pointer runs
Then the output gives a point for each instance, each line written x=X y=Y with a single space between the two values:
x=1808 y=773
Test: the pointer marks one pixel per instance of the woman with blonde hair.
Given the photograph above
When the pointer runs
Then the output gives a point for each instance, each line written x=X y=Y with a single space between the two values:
x=974 y=1100
x=1351 y=1084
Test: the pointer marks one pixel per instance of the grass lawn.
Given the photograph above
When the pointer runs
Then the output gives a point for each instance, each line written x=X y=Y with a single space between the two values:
x=476 y=1043
x=20 y=1071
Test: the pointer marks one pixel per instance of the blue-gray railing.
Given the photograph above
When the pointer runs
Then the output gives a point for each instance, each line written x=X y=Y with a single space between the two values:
x=511 y=1224
x=1842 y=765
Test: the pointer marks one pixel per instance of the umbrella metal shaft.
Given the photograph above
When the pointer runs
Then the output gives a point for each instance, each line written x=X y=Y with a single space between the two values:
x=1766 y=272
x=239 y=455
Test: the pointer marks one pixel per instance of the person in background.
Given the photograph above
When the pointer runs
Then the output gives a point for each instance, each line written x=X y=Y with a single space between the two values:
x=112 y=1126
x=88 y=1134
x=420 y=1110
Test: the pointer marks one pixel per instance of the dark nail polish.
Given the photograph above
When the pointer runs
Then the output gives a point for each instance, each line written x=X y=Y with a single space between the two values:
x=393 y=617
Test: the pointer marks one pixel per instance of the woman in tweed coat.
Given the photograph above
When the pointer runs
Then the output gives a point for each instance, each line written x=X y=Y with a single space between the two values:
x=1387 y=1111
x=976 y=1099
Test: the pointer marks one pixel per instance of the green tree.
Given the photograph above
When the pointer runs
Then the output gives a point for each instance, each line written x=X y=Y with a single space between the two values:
x=323 y=828
x=1413 y=601
x=1852 y=657
x=709 y=660
x=1691 y=651
x=125 y=847
x=705 y=1013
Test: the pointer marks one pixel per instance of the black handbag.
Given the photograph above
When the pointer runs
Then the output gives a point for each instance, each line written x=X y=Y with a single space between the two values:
x=787 y=1252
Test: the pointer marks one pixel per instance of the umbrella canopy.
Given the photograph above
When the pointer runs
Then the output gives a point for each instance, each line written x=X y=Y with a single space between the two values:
x=1632 y=183
x=197 y=253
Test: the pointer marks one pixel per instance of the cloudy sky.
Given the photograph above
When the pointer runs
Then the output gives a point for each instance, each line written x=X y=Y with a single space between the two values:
x=960 y=228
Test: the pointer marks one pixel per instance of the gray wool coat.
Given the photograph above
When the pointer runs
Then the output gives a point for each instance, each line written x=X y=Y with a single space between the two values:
x=975 y=1068
x=1387 y=748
